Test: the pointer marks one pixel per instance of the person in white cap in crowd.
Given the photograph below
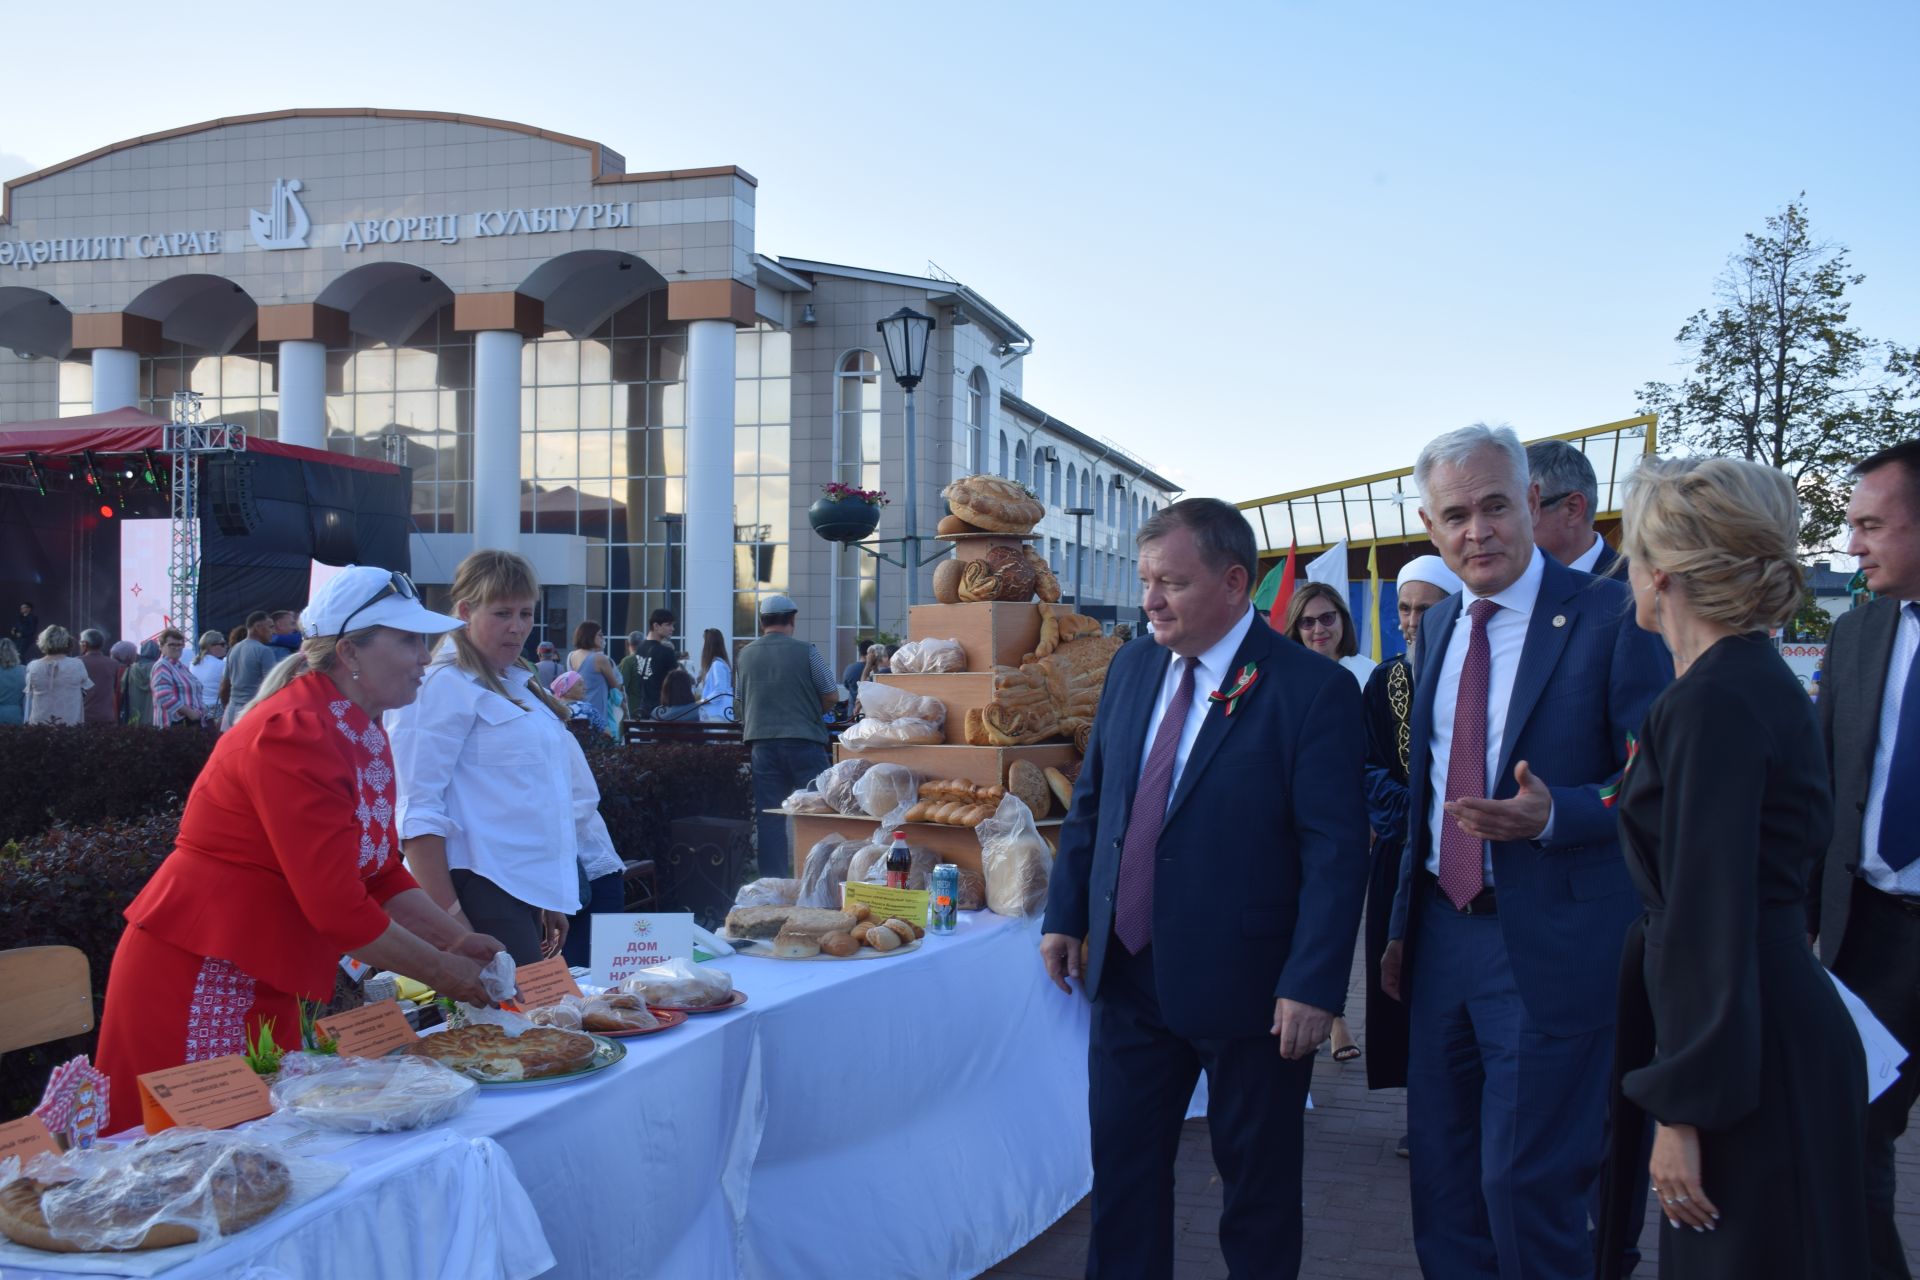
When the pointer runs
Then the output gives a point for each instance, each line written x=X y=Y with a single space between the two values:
x=782 y=689
x=287 y=856
x=1424 y=582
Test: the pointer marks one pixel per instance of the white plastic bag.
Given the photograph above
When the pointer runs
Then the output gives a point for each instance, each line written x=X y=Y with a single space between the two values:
x=807 y=800
x=768 y=891
x=929 y=657
x=869 y=733
x=836 y=783
x=378 y=1095
x=498 y=978
x=680 y=984
x=885 y=788
x=1015 y=858
x=820 y=886
x=884 y=702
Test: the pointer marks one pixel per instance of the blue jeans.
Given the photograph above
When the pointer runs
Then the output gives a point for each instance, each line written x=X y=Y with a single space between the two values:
x=781 y=766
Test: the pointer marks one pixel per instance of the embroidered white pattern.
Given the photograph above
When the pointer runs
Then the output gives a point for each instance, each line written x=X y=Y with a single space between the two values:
x=372 y=785
x=217 y=1017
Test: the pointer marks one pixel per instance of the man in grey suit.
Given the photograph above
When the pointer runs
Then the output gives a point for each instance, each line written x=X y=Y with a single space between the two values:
x=1865 y=904
x=1569 y=493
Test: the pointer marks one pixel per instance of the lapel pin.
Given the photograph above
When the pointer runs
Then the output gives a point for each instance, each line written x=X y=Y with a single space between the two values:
x=1559 y=619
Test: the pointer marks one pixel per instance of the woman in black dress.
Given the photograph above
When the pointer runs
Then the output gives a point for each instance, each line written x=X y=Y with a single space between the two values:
x=1731 y=1036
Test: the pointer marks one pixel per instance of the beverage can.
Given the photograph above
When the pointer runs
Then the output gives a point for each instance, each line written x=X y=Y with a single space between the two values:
x=943 y=911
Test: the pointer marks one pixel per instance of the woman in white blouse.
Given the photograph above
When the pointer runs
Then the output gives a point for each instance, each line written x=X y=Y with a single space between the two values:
x=716 y=678
x=497 y=811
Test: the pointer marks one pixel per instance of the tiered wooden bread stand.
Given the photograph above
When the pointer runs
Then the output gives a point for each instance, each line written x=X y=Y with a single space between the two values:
x=992 y=633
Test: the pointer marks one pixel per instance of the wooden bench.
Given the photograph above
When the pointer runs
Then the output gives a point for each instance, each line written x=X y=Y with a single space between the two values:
x=645 y=732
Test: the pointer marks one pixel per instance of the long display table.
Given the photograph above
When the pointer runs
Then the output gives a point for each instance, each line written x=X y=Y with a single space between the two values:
x=921 y=1114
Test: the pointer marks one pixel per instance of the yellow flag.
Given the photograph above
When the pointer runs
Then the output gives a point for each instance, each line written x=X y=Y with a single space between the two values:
x=1373 y=624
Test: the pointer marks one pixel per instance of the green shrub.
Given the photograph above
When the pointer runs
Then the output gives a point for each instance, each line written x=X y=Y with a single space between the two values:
x=82 y=774
x=67 y=887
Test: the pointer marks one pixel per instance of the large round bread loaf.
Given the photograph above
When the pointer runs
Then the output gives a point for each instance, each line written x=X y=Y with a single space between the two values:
x=243 y=1186
x=946 y=581
x=994 y=503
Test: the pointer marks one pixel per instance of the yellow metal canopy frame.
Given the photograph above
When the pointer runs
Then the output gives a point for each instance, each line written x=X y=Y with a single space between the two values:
x=1384 y=509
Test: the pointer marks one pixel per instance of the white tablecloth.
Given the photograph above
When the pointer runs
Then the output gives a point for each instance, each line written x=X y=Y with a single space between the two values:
x=917 y=1115
x=413 y=1207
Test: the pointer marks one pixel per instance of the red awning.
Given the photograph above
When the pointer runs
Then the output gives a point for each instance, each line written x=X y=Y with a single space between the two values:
x=130 y=431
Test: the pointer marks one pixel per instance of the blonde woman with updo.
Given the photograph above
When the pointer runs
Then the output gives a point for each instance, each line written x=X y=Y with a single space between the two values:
x=1730 y=1035
x=498 y=813
x=56 y=680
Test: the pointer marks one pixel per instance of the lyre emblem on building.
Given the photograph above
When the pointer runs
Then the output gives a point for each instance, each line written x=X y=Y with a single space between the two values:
x=284 y=224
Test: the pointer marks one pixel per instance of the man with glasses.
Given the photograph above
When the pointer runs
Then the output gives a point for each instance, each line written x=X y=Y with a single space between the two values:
x=1568 y=495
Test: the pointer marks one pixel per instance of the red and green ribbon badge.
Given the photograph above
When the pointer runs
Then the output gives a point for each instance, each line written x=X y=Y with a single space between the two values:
x=1611 y=792
x=1248 y=677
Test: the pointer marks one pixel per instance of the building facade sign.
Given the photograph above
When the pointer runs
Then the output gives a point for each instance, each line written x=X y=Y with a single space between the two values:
x=285 y=224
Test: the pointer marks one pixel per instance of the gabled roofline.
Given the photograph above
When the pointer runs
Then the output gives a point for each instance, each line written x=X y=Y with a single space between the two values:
x=942 y=292
x=607 y=165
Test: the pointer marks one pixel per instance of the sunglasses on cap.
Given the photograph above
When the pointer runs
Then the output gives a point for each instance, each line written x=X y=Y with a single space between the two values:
x=398 y=584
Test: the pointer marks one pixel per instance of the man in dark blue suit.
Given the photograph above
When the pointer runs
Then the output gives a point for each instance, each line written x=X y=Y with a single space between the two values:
x=1214 y=859
x=1513 y=900
x=1569 y=495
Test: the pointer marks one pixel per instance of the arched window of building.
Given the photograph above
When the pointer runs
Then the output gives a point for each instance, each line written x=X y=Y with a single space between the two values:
x=857 y=446
x=1053 y=474
x=977 y=422
x=1003 y=454
x=1020 y=464
x=1072 y=493
x=1086 y=491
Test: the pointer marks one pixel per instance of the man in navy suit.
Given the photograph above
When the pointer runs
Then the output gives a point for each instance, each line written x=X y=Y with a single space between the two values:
x=1214 y=859
x=1569 y=494
x=1513 y=899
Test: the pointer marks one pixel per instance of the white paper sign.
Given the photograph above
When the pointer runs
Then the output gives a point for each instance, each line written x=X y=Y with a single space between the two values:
x=628 y=942
x=1884 y=1053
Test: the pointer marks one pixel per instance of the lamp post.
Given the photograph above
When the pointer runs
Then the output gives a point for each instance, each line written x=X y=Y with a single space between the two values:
x=673 y=520
x=905 y=334
x=1078 y=514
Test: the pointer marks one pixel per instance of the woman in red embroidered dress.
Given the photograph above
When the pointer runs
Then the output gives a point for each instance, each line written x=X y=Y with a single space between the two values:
x=287 y=857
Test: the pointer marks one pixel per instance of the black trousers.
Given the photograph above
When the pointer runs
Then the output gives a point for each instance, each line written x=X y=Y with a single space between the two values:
x=492 y=910
x=1140 y=1077
x=1880 y=961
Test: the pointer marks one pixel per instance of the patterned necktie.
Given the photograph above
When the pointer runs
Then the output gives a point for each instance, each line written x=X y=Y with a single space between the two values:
x=1900 y=809
x=1133 y=905
x=1462 y=875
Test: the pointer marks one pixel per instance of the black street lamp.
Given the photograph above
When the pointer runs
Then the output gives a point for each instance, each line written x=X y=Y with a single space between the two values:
x=905 y=335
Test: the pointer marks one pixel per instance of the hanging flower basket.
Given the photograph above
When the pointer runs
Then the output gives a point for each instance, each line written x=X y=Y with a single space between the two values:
x=844 y=513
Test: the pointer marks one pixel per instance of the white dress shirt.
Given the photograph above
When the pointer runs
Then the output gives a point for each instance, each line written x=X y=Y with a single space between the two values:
x=1208 y=676
x=507 y=786
x=1873 y=868
x=1585 y=561
x=1506 y=637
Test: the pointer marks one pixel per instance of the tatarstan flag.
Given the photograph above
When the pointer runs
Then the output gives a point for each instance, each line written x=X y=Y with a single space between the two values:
x=1276 y=591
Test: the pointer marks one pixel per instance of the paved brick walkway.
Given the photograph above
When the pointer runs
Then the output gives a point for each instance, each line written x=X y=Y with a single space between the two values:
x=1358 y=1224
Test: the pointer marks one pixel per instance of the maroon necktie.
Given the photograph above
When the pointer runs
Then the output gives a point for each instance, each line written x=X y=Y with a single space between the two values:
x=1462 y=874
x=1133 y=907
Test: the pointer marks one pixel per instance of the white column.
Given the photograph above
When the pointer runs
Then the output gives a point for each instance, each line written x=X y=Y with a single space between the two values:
x=303 y=393
x=496 y=440
x=116 y=379
x=707 y=583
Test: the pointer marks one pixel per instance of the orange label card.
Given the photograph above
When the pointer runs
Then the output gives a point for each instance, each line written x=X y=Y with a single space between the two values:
x=545 y=983
x=26 y=1137
x=371 y=1031
x=216 y=1094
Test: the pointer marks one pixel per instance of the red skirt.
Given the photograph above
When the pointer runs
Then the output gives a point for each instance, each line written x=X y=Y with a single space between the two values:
x=166 y=1006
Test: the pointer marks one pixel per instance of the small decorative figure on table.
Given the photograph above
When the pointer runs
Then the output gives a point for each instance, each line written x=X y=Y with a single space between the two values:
x=75 y=1102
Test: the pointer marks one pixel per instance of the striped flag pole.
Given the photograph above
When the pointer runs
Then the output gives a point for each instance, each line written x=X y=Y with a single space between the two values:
x=1373 y=625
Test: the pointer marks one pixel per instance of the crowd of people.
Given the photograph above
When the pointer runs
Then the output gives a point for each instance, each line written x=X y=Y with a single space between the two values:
x=49 y=676
x=1606 y=842
x=1596 y=840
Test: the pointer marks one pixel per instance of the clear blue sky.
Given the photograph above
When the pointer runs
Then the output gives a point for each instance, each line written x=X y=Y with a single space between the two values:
x=1262 y=245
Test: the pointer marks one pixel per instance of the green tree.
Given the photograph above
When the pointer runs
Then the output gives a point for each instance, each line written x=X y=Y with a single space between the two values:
x=1779 y=375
